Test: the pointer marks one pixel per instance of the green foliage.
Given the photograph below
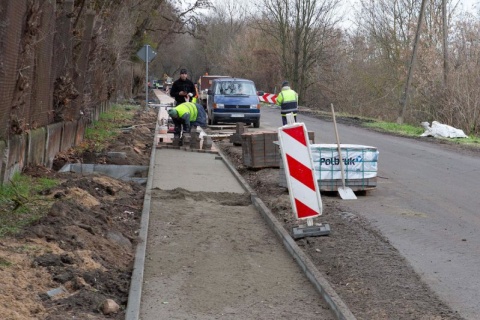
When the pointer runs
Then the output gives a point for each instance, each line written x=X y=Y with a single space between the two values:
x=21 y=202
x=403 y=129
x=118 y=112
x=45 y=183
x=400 y=129
x=473 y=140
x=4 y=263
x=107 y=127
x=470 y=141
x=415 y=131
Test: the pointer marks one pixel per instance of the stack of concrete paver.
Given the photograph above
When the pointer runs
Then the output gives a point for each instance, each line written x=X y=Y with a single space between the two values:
x=236 y=138
x=259 y=149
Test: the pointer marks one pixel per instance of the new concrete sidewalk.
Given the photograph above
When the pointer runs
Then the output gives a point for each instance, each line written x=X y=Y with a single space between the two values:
x=211 y=172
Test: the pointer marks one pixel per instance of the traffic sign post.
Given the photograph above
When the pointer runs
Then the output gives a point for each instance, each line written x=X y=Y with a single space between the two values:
x=147 y=54
x=302 y=184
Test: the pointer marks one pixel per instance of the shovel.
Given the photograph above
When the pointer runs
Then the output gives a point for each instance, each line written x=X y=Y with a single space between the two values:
x=345 y=193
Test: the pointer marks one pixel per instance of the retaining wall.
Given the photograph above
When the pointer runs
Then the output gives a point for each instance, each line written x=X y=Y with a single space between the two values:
x=38 y=147
x=3 y=156
x=15 y=156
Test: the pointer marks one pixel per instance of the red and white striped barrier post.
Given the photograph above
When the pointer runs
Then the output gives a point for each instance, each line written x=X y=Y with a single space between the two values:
x=268 y=98
x=302 y=185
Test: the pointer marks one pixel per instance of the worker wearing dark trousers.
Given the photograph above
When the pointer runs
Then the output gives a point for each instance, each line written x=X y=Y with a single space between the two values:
x=287 y=99
x=182 y=89
x=187 y=115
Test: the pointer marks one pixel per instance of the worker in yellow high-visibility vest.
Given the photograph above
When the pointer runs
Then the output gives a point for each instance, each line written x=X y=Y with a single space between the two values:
x=287 y=99
x=187 y=115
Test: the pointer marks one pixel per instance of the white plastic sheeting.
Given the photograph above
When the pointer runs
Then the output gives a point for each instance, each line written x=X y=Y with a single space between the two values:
x=439 y=130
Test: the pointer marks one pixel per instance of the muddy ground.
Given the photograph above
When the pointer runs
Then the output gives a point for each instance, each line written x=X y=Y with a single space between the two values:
x=83 y=247
x=368 y=273
x=79 y=256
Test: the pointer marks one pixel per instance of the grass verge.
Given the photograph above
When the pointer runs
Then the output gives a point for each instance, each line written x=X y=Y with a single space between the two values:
x=109 y=125
x=21 y=202
x=416 y=131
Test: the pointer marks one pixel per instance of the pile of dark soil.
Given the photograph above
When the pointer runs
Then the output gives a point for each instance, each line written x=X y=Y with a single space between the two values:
x=78 y=258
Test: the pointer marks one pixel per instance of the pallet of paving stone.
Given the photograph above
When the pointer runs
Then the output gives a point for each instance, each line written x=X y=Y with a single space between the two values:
x=259 y=149
x=236 y=138
x=360 y=167
x=333 y=184
x=354 y=184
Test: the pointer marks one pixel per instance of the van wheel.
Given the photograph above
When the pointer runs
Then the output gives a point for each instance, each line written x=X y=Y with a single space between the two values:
x=256 y=124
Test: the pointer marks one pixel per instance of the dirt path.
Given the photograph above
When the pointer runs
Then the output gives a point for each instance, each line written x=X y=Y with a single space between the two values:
x=213 y=257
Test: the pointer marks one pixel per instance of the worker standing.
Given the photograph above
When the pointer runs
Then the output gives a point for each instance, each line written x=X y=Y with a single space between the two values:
x=182 y=89
x=187 y=115
x=287 y=99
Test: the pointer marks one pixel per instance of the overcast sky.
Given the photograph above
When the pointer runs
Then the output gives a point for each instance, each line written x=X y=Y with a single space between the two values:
x=472 y=6
x=468 y=4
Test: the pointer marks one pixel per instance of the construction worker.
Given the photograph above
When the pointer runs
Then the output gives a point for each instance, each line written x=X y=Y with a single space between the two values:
x=287 y=99
x=187 y=115
x=182 y=89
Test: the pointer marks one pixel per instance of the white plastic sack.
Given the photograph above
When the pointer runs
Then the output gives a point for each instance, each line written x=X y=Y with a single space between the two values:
x=439 y=130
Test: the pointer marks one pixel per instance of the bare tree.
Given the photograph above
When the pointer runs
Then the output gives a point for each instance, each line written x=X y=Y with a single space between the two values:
x=301 y=30
x=387 y=29
x=462 y=106
x=223 y=24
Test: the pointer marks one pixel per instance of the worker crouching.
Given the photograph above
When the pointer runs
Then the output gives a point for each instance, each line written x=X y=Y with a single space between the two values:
x=187 y=115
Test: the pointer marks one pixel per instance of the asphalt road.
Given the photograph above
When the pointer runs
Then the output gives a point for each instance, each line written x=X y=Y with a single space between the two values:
x=426 y=203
